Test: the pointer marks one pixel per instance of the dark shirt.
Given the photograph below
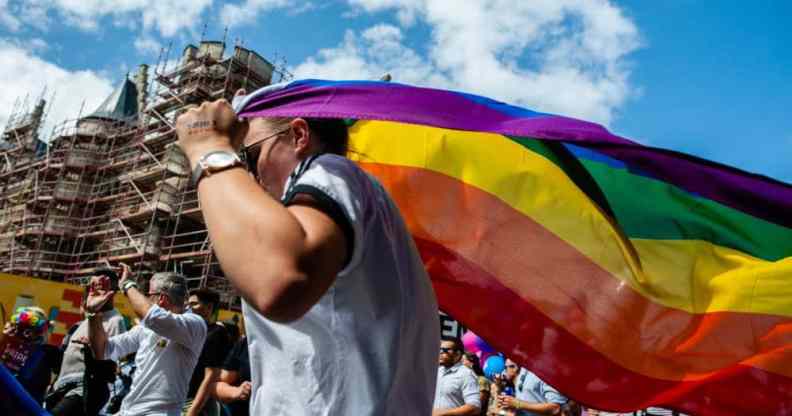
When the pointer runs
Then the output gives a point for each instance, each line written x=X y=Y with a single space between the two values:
x=214 y=351
x=33 y=366
x=239 y=362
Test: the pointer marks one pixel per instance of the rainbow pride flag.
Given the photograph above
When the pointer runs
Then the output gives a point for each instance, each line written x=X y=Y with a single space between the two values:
x=624 y=275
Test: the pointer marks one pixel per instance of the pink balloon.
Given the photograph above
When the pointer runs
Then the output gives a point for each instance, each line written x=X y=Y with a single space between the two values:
x=473 y=343
x=470 y=341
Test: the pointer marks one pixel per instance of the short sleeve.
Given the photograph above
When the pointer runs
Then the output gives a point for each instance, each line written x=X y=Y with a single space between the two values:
x=232 y=361
x=470 y=390
x=187 y=329
x=340 y=190
x=217 y=344
x=551 y=395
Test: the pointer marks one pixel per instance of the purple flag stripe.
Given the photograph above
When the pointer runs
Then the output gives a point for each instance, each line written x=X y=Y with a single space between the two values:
x=756 y=195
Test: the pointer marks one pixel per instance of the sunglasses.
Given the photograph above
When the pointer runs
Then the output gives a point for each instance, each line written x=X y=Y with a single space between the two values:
x=447 y=350
x=250 y=153
x=511 y=366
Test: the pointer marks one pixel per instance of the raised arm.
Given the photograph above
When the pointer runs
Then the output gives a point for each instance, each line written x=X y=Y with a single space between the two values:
x=291 y=255
x=99 y=294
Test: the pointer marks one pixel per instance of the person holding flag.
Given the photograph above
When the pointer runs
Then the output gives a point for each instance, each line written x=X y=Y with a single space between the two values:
x=340 y=315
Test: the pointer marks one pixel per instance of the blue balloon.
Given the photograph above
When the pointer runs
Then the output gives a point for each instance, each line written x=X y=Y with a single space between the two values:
x=494 y=365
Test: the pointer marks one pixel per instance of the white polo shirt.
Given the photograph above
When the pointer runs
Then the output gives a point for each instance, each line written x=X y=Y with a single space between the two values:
x=369 y=346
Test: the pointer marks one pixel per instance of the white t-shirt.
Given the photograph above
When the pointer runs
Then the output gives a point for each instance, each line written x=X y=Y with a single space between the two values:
x=167 y=346
x=370 y=345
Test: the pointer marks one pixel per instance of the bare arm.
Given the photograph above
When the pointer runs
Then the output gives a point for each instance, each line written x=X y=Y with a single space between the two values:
x=97 y=336
x=299 y=250
x=203 y=393
x=305 y=248
x=98 y=295
x=224 y=388
x=540 y=408
x=140 y=303
x=464 y=410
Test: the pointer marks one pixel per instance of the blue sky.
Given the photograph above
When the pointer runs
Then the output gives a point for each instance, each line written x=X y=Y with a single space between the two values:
x=702 y=77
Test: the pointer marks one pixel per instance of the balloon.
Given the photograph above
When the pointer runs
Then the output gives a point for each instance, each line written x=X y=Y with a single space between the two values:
x=473 y=343
x=494 y=365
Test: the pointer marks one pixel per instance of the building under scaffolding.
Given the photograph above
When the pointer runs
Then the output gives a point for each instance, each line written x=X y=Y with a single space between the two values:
x=112 y=186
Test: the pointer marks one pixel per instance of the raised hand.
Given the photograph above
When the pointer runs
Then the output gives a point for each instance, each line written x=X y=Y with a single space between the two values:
x=212 y=126
x=126 y=274
x=9 y=329
x=99 y=293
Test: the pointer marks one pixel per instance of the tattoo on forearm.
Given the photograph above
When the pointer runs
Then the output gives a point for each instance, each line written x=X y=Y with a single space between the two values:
x=200 y=126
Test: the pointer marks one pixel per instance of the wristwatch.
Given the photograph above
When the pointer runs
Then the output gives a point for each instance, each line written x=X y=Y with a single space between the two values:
x=128 y=285
x=213 y=162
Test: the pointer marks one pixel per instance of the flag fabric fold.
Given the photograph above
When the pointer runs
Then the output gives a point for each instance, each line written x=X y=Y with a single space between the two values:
x=14 y=399
x=624 y=275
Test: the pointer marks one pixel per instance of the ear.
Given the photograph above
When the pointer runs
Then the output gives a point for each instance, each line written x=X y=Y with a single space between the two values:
x=301 y=136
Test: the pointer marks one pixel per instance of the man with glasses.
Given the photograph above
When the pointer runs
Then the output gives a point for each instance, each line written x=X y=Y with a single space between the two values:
x=340 y=314
x=457 y=392
x=167 y=342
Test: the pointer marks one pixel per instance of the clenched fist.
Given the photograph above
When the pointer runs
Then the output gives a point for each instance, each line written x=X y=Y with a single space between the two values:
x=243 y=391
x=212 y=126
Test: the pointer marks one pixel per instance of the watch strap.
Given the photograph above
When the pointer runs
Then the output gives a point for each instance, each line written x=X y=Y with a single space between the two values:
x=197 y=173
x=201 y=170
x=128 y=285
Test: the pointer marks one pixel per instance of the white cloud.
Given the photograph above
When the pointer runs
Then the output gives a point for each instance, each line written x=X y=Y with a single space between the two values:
x=562 y=56
x=26 y=73
x=7 y=18
x=248 y=12
x=378 y=50
x=168 y=17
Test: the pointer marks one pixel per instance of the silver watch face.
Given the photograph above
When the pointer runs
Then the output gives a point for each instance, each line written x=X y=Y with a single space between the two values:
x=220 y=159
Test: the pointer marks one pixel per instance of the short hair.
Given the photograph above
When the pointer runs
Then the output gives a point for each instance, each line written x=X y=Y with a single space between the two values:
x=172 y=284
x=332 y=132
x=458 y=345
x=209 y=296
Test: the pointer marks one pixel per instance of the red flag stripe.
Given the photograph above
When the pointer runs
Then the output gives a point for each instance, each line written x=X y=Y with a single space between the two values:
x=574 y=292
x=514 y=326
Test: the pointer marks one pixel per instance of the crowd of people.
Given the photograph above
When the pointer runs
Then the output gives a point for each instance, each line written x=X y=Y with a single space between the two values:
x=157 y=367
x=463 y=389
x=176 y=361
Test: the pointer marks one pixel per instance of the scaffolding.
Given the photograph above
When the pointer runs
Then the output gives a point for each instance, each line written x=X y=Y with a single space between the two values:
x=112 y=186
